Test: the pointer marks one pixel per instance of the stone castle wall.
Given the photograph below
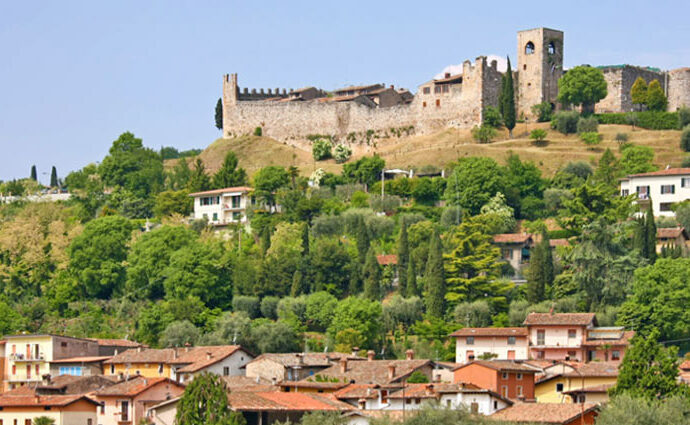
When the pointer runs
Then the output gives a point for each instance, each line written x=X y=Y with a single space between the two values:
x=619 y=81
x=678 y=88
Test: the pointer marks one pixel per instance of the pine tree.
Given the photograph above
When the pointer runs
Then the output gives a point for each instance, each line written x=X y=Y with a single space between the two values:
x=540 y=274
x=638 y=92
x=362 y=236
x=508 y=95
x=205 y=402
x=608 y=169
x=54 y=178
x=219 y=114
x=411 y=289
x=355 y=283
x=403 y=258
x=372 y=277
x=198 y=180
x=434 y=297
x=228 y=175
x=34 y=176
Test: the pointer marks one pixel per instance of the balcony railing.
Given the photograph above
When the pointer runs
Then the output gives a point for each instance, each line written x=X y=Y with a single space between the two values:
x=19 y=357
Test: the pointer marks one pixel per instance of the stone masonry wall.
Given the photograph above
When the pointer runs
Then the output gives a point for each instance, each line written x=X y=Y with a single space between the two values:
x=619 y=81
x=678 y=88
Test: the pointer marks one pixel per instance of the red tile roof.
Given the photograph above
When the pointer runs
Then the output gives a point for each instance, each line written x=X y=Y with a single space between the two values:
x=385 y=260
x=490 y=332
x=198 y=357
x=685 y=365
x=543 y=413
x=242 y=189
x=623 y=340
x=357 y=391
x=144 y=355
x=670 y=232
x=116 y=342
x=502 y=366
x=307 y=359
x=575 y=319
x=281 y=401
x=245 y=383
x=8 y=400
x=134 y=387
x=593 y=370
x=90 y=359
x=512 y=238
x=666 y=172
x=374 y=371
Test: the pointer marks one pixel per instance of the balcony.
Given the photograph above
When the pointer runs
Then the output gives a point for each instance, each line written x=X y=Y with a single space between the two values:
x=232 y=207
x=19 y=357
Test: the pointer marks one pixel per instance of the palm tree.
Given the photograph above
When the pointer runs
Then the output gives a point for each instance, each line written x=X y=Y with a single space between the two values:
x=293 y=172
x=44 y=420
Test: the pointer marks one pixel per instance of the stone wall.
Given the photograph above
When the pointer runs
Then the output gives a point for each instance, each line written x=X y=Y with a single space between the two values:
x=678 y=88
x=619 y=81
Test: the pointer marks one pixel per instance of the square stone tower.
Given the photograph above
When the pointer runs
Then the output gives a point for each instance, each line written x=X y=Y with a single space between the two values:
x=540 y=65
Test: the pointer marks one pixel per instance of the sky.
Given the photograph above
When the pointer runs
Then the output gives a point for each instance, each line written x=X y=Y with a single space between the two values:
x=74 y=75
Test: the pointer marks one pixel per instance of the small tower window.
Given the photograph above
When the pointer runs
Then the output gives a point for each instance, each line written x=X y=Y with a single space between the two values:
x=529 y=48
x=552 y=48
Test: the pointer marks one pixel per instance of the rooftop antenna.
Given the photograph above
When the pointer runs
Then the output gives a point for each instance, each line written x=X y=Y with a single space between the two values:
x=325 y=349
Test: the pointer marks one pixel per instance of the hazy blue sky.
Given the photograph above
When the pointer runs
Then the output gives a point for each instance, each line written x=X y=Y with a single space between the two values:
x=76 y=74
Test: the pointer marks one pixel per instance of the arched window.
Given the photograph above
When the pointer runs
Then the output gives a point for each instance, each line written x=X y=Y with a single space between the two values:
x=552 y=48
x=529 y=48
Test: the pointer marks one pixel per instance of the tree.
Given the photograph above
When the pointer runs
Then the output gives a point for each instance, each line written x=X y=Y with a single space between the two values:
x=366 y=170
x=627 y=410
x=638 y=92
x=321 y=149
x=362 y=238
x=172 y=202
x=645 y=235
x=499 y=210
x=403 y=258
x=538 y=135
x=483 y=133
x=43 y=420
x=411 y=286
x=399 y=312
x=685 y=139
x=219 y=114
x=417 y=377
x=179 y=177
x=637 y=159
x=492 y=117
x=372 y=276
x=508 y=99
x=359 y=314
x=434 y=278
x=329 y=266
x=473 y=182
x=268 y=180
x=656 y=98
x=608 y=169
x=132 y=166
x=591 y=138
x=649 y=370
x=179 y=333
x=320 y=310
x=34 y=175
x=274 y=337
x=198 y=179
x=228 y=175
x=54 y=178
x=476 y=314
x=582 y=85
x=205 y=402
x=540 y=274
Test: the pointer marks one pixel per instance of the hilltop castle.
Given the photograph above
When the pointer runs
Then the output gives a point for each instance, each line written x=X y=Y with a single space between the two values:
x=354 y=113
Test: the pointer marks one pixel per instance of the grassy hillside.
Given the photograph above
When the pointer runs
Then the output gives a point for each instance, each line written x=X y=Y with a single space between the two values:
x=440 y=148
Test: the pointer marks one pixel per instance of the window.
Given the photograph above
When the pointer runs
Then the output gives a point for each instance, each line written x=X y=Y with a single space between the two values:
x=504 y=391
x=408 y=401
x=446 y=88
x=474 y=407
x=28 y=371
x=427 y=90
x=236 y=216
x=63 y=344
x=540 y=355
x=507 y=253
x=215 y=216
x=504 y=375
x=102 y=408
x=518 y=377
x=470 y=355
x=423 y=104
x=529 y=48
x=668 y=189
x=226 y=371
x=124 y=411
x=38 y=370
x=552 y=48
x=448 y=403
x=417 y=401
x=495 y=405
x=625 y=192
x=437 y=89
x=571 y=355
x=591 y=355
x=438 y=102
x=27 y=421
x=559 y=388
x=469 y=340
x=615 y=355
x=89 y=421
x=236 y=201
x=642 y=192
x=384 y=396
x=519 y=391
x=160 y=368
x=511 y=340
x=666 y=206
x=685 y=182
x=572 y=333
x=541 y=337
x=511 y=354
x=112 y=369
x=524 y=67
x=14 y=369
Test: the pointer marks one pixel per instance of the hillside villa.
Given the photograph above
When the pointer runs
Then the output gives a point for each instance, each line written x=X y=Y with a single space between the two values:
x=223 y=206
x=663 y=187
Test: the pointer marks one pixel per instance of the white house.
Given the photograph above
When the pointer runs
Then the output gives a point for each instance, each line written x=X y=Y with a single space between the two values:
x=664 y=188
x=503 y=343
x=223 y=206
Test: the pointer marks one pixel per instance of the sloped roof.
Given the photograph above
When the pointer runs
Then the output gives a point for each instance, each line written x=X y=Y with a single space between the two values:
x=374 y=371
x=385 y=260
x=245 y=383
x=8 y=400
x=357 y=391
x=88 y=359
x=281 y=401
x=116 y=342
x=242 y=189
x=350 y=88
x=666 y=172
x=134 y=386
x=308 y=359
x=502 y=366
x=685 y=365
x=543 y=413
x=512 y=238
x=490 y=332
x=68 y=384
x=313 y=385
x=670 y=232
x=198 y=358
x=147 y=355
x=594 y=369
x=623 y=340
x=575 y=319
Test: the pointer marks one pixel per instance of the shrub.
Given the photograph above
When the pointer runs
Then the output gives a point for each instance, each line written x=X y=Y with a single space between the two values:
x=342 y=153
x=591 y=138
x=538 y=135
x=685 y=139
x=587 y=125
x=543 y=111
x=685 y=163
x=621 y=138
x=247 y=304
x=565 y=122
x=657 y=120
x=258 y=131
x=492 y=117
x=620 y=119
x=683 y=117
x=656 y=98
x=483 y=134
x=321 y=149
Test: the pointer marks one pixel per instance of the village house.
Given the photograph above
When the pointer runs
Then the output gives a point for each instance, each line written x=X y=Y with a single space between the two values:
x=78 y=366
x=671 y=237
x=223 y=206
x=127 y=402
x=179 y=364
x=664 y=188
x=558 y=336
x=606 y=344
x=576 y=382
x=29 y=356
x=382 y=372
x=498 y=343
x=549 y=414
x=23 y=409
x=515 y=250
x=510 y=379
x=110 y=347
x=3 y=368
x=289 y=367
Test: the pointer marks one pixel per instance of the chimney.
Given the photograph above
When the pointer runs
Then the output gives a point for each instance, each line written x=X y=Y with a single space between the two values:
x=355 y=351
x=175 y=353
x=370 y=355
x=343 y=365
x=274 y=380
x=300 y=358
x=121 y=376
x=209 y=356
x=409 y=354
x=186 y=347
x=115 y=353
x=447 y=75
x=391 y=371
x=429 y=389
x=46 y=379
x=139 y=349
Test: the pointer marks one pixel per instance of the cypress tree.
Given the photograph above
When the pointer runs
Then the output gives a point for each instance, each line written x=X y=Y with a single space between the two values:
x=403 y=258
x=656 y=98
x=372 y=277
x=650 y=233
x=508 y=95
x=305 y=240
x=297 y=284
x=199 y=180
x=54 y=178
x=411 y=289
x=219 y=114
x=362 y=236
x=34 y=177
x=540 y=273
x=355 y=283
x=638 y=92
x=265 y=239
x=435 y=279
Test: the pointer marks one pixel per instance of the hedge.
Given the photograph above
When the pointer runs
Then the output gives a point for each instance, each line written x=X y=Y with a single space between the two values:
x=651 y=120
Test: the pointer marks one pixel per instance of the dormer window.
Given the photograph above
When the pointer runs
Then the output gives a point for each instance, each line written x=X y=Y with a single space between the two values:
x=529 y=48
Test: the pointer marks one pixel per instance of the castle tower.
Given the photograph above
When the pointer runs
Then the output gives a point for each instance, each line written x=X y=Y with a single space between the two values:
x=230 y=95
x=540 y=65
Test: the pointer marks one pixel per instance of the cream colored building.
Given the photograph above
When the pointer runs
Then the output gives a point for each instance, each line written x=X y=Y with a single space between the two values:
x=501 y=343
x=62 y=409
x=664 y=188
x=223 y=206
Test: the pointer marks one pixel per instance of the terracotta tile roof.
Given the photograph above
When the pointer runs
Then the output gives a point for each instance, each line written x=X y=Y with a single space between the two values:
x=308 y=359
x=450 y=79
x=385 y=260
x=242 y=189
x=68 y=384
x=593 y=389
x=281 y=401
x=685 y=365
x=666 y=172
x=575 y=319
x=90 y=359
x=245 y=383
x=117 y=342
x=202 y=357
x=490 y=332
x=559 y=242
x=374 y=371
x=512 y=238
x=357 y=391
x=133 y=387
x=147 y=355
x=594 y=369
x=543 y=413
x=670 y=232
x=315 y=385
x=623 y=340
x=503 y=366
x=8 y=400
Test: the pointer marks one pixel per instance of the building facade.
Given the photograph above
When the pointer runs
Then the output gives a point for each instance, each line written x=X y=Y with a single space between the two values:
x=500 y=343
x=513 y=380
x=223 y=206
x=662 y=188
x=558 y=336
